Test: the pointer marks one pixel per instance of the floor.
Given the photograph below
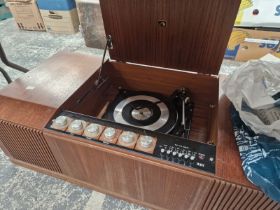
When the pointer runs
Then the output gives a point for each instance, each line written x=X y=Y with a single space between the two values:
x=25 y=189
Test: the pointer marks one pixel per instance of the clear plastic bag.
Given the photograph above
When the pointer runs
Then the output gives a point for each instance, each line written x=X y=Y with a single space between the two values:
x=254 y=90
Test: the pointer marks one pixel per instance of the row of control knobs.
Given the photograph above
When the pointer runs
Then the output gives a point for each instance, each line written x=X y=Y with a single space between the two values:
x=163 y=147
x=183 y=156
x=177 y=154
x=111 y=135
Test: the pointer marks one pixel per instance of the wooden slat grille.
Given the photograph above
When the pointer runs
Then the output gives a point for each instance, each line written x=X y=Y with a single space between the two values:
x=27 y=145
x=228 y=196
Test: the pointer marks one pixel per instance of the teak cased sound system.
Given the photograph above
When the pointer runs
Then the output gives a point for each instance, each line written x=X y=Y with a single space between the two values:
x=51 y=119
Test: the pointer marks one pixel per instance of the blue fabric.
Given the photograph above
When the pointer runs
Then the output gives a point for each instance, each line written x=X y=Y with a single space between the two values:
x=61 y=5
x=260 y=157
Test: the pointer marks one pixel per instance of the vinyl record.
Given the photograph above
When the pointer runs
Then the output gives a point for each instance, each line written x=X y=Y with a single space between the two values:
x=145 y=110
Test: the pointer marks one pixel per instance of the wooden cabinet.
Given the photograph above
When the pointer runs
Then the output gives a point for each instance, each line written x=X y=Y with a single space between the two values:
x=128 y=176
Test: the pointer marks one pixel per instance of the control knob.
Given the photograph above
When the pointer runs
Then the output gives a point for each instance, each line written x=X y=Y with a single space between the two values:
x=146 y=141
x=93 y=129
x=109 y=133
x=61 y=121
x=128 y=137
x=186 y=156
x=77 y=125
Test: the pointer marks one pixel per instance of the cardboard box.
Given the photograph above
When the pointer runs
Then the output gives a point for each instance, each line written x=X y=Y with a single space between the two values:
x=259 y=13
x=26 y=14
x=247 y=44
x=65 y=22
x=60 y=16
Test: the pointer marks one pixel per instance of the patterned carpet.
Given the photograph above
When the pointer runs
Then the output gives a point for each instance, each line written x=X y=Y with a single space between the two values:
x=23 y=189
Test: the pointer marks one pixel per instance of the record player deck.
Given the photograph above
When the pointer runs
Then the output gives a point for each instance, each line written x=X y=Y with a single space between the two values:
x=138 y=120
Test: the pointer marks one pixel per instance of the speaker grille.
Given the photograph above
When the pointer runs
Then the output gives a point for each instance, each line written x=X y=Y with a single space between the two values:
x=225 y=195
x=27 y=145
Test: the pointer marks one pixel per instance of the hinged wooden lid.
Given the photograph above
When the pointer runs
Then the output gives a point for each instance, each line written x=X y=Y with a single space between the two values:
x=188 y=35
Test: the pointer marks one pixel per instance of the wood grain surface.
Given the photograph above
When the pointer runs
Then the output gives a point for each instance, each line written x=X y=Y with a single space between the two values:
x=204 y=88
x=194 y=38
x=151 y=182
x=27 y=105
x=228 y=161
x=25 y=113
x=54 y=81
x=133 y=177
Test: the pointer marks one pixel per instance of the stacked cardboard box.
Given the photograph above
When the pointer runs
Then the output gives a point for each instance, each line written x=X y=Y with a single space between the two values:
x=26 y=14
x=60 y=16
x=247 y=44
x=259 y=13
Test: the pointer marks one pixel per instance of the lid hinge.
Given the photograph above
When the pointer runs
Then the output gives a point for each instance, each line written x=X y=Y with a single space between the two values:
x=109 y=45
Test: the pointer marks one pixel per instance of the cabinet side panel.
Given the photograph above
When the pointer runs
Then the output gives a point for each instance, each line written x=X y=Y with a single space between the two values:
x=224 y=195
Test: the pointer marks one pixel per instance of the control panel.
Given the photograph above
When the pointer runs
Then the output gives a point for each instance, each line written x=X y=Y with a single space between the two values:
x=185 y=152
x=158 y=145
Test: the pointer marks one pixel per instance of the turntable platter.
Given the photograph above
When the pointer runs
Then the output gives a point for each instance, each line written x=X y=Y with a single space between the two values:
x=145 y=110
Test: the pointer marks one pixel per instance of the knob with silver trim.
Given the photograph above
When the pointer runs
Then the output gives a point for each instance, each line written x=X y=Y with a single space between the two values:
x=93 y=129
x=180 y=155
x=76 y=125
x=146 y=141
x=162 y=150
x=186 y=156
x=60 y=121
x=192 y=157
x=109 y=133
x=128 y=137
x=168 y=152
x=174 y=153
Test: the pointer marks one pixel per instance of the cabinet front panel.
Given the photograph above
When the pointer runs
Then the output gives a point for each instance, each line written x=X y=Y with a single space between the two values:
x=146 y=181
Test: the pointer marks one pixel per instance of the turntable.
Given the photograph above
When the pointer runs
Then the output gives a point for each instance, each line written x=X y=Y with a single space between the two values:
x=147 y=126
x=152 y=111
